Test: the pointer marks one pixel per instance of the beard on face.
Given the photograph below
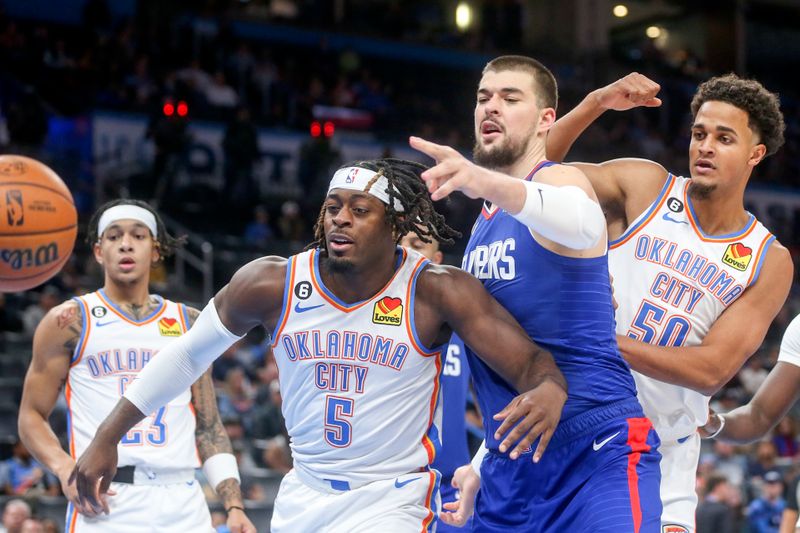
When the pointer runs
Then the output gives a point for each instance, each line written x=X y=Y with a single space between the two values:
x=340 y=265
x=501 y=156
x=699 y=191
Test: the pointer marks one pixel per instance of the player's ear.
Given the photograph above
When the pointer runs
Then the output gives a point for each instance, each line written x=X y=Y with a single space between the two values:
x=98 y=256
x=155 y=254
x=757 y=155
x=547 y=117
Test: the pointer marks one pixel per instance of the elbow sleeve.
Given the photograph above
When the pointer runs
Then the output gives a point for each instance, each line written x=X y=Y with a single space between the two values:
x=565 y=215
x=181 y=362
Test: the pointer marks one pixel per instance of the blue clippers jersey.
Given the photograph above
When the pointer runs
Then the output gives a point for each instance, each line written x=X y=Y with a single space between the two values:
x=563 y=303
x=455 y=382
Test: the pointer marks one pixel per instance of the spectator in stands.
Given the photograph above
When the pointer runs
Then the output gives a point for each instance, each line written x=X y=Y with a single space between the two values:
x=50 y=526
x=318 y=159
x=22 y=474
x=763 y=461
x=764 y=513
x=269 y=425
x=258 y=233
x=237 y=396
x=9 y=320
x=785 y=438
x=48 y=298
x=226 y=362
x=240 y=146
x=14 y=515
x=219 y=94
x=291 y=224
x=715 y=513
x=171 y=139
x=32 y=525
x=789 y=520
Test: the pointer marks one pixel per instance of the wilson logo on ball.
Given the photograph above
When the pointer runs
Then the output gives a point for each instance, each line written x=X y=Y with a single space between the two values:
x=28 y=257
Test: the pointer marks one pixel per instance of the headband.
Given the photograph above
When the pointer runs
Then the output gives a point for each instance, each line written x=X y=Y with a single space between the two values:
x=357 y=179
x=124 y=212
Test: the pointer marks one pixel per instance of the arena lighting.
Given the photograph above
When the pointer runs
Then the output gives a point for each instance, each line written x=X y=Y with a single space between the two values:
x=328 y=129
x=182 y=109
x=316 y=129
x=463 y=16
x=654 y=32
x=620 y=10
x=168 y=109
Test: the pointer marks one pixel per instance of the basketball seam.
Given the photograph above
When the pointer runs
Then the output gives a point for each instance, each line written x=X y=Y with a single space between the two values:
x=28 y=184
x=42 y=232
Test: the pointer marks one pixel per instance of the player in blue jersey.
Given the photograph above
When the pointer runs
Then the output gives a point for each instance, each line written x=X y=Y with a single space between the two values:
x=357 y=324
x=539 y=247
x=455 y=386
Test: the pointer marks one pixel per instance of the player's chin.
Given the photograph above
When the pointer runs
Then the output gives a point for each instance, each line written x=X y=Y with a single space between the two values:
x=340 y=263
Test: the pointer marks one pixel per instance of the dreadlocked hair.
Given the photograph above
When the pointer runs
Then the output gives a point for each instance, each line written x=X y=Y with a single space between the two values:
x=165 y=242
x=406 y=187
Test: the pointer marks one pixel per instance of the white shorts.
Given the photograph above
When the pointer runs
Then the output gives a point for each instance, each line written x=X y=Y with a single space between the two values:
x=151 y=508
x=678 y=478
x=408 y=503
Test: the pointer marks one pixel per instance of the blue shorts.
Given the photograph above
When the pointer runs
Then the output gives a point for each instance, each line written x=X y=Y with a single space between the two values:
x=600 y=473
x=449 y=495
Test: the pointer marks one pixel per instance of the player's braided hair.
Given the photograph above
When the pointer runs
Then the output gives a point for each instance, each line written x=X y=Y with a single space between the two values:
x=405 y=185
x=166 y=243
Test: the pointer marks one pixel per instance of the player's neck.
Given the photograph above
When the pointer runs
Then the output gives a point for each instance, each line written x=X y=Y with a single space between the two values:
x=720 y=213
x=523 y=165
x=134 y=298
x=357 y=284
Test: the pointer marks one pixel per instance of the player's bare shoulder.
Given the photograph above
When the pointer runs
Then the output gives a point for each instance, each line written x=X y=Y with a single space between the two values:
x=255 y=293
x=60 y=330
x=438 y=283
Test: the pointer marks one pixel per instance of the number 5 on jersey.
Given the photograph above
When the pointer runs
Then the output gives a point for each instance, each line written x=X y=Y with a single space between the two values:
x=338 y=431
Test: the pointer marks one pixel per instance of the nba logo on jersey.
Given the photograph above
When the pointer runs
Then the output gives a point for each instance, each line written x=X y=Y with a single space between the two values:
x=738 y=256
x=169 y=327
x=388 y=311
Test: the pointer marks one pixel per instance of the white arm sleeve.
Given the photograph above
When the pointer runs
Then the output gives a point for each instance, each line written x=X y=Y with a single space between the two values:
x=181 y=362
x=790 y=344
x=477 y=460
x=565 y=215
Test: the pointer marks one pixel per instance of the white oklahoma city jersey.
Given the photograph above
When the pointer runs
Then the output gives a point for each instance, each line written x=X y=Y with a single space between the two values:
x=790 y=344
x=112 y=351
x=672 y=281
x=360 y=391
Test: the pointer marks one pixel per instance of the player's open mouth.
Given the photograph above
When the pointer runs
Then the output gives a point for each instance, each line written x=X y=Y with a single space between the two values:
x=339 y=243
x=704 y=166
x=490 y=130
x=126 y=263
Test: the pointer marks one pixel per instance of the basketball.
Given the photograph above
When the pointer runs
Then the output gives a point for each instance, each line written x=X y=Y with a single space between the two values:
x=38 y=223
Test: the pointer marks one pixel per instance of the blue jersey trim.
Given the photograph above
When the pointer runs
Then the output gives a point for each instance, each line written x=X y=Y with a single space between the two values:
x=645 y=217
x=286 y=297
x=184 y=316
x=119 y=310
x=84 y=323
x=745 y=229
x=412 y=325
x=400 y=258
x=761 y=259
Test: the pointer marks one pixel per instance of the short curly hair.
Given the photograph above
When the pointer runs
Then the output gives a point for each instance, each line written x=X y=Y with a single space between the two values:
x=762 y=106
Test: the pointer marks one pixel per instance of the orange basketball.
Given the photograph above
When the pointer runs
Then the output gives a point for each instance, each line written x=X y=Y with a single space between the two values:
x=38 y=223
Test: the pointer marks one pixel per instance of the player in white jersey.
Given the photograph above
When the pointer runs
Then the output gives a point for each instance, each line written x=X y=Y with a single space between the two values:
x=698 y=278
x=357 y=325
x=773 y=399
x=95 y=346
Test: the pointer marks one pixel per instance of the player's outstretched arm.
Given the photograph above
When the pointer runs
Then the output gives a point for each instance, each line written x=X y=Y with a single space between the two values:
x=734 y=337
x=254 y=296
x=492 y=333
x=54 y=344
x=634 y=90
x=772 y=400
x=560 y=206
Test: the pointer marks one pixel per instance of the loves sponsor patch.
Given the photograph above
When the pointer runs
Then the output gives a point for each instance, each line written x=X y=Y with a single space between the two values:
x=388 y=311
x=738 y=256
x=169 y=327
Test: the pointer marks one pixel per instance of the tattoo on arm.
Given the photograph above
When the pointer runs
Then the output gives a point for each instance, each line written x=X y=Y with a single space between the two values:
x=70 y=319
x=191 y=315
x=230 y=493
x=210 y=434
